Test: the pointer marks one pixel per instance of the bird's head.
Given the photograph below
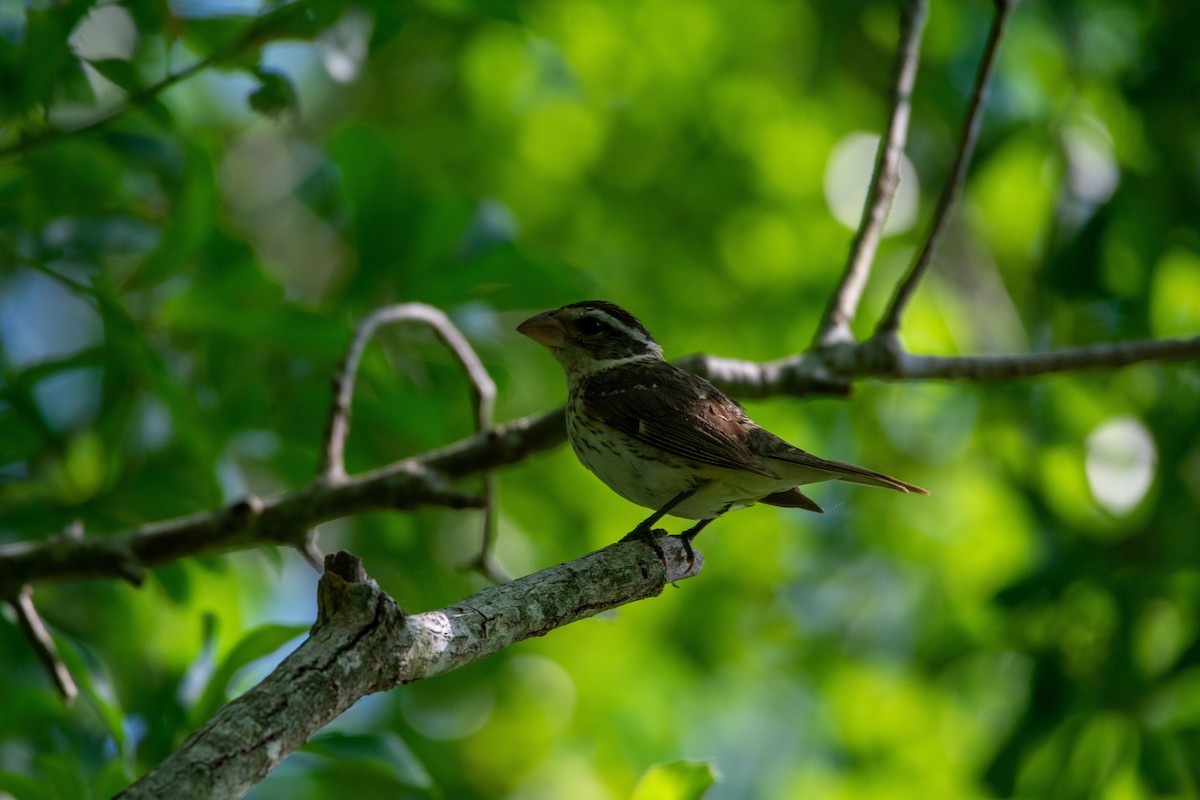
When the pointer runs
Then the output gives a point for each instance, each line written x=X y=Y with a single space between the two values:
x=591 y=336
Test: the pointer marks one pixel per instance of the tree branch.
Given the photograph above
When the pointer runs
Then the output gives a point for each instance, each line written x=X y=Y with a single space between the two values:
x=832 y=370
x=331 y=469
x=1011 y=367
x=35 y=631
x=835 y=324
x=363 y=643
x=890 y=322
x=282 y=519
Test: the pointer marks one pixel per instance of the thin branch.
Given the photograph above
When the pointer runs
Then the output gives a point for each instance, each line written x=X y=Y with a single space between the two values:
x=1003 y=368
x=282 y=519
x=364 y=643
x=42 y=643
x=835 y=325
x=795 y=376
x=483 y=562
x=890 y=322
x=829 y=369
x=332 y=467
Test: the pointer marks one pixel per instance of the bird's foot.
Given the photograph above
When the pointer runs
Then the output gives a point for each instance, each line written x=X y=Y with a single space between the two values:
x=645 y=534
x=691 y=533
x=686 y=539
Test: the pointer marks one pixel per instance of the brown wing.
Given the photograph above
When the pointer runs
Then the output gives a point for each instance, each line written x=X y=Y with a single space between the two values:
x=668 y=408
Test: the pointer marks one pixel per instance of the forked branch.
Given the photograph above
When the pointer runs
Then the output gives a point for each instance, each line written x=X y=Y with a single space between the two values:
x=889 y=324
x=332 y=468
x=843 y=304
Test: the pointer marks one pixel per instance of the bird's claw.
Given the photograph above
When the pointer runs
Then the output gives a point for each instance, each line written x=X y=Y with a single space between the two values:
x=646 y=535
x=687 y=548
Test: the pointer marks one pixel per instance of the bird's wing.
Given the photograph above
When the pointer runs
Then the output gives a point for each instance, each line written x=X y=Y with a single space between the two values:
x=681 y=413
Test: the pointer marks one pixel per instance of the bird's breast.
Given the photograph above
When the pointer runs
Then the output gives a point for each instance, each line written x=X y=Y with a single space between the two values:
x=649 y=476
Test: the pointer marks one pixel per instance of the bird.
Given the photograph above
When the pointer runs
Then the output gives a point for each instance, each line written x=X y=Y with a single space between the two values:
x=666 y=439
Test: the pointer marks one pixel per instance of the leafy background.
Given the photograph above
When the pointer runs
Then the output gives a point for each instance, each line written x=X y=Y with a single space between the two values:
x=177 y=286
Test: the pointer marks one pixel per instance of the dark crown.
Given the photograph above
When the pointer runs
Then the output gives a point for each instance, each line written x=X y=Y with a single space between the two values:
x=606 y=331
x=614 y=311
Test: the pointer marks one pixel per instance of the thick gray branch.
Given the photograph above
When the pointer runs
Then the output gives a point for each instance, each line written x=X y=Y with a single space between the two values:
x=364 y=643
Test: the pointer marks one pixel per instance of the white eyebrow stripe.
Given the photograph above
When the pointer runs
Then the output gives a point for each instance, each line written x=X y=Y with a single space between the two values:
x=631 y=332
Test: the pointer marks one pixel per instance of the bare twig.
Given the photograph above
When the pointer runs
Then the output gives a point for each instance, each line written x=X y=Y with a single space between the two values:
x=283 y=519
x=1027 y=365
x=311 y=551
x=890 y=322
x=42 y=643
x=364 y=643
x=826 y=370
x=795 y=376
x=482 y=562
x=835 y=325
x=332 y=469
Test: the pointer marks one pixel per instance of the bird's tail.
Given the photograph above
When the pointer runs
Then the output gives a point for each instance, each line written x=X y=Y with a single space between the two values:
x=802 y=467
x=792 y=463
x=869 y=477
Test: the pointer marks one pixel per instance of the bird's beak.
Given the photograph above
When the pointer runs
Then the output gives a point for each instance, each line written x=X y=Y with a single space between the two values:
x=544 y=329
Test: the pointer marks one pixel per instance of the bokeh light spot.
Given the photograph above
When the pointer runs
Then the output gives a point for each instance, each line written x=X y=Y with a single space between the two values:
x=1121 y=458
x=848 y=174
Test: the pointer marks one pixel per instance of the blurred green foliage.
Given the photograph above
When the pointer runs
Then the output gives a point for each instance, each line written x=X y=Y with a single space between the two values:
x=176 y=287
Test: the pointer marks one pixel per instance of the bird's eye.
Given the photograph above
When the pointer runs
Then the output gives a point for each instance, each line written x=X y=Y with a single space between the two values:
x=589 y=326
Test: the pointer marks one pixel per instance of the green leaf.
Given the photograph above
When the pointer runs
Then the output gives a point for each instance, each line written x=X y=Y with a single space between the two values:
x=23 y=787
x=299 y=20
x=188 y=227
x=275 y=94
x=120 y=71
x=44 y=65
x=216 y=34
x=676 y=780
x=111 y=779
x=386 y=755
x=109 y=713
x=62 y=772
x=505 y=10
x=255 y=644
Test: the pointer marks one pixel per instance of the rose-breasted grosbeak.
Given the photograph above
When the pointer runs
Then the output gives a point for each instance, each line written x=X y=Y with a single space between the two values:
x=664 y=438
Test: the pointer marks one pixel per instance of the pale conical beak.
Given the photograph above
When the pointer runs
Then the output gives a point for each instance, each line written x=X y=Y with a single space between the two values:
x=544 y=329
